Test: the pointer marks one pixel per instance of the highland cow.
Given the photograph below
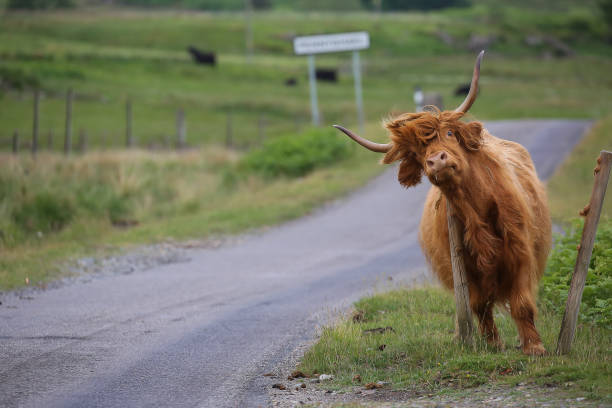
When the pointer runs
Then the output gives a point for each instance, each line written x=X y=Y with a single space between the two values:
x=501 y=204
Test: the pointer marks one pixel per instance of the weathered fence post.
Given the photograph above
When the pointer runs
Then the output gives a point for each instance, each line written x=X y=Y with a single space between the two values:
x=181 y=133
x=15 y=142
x=591 y=213
x=68 y=134
x=228 y=130
x=35 y=124
x=465 y=324
x=129 y=138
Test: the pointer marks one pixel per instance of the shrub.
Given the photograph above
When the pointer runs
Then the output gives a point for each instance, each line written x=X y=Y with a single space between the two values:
x=296 y=155
x=16 y=78
x=44 y=212
x=596 y=307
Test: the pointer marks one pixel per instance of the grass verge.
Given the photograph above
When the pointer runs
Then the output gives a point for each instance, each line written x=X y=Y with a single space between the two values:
x=419 y=351
x=83 y=205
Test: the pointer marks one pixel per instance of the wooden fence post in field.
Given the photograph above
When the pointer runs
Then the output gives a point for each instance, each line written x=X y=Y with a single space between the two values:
x=181 y=133
x=228 y=131
x=15 y=142
x=591 y=213
x=129 y=138
x=35 y=124
x=68 y=134
x=465 y=324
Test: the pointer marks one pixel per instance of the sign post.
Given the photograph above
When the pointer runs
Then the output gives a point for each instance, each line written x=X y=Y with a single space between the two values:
x=312 y=81
x=326 y=43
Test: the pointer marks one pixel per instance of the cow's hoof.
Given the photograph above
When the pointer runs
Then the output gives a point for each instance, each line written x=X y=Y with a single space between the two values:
x=536 y=349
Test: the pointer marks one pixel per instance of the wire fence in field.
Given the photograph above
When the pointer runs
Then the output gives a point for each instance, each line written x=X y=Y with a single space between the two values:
x=234 y=128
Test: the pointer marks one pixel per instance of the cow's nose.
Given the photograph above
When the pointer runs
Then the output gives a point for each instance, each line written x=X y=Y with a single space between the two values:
x=437 y=161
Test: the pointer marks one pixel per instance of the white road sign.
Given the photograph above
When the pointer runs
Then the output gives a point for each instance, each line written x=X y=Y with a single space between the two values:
x=318 y=44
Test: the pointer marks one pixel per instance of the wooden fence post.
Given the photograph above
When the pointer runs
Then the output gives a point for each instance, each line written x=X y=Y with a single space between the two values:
x=15 y=142
x=181 y=133
x=35 y=124
x=465 y=324
x=129 y=138
x=68 y=134
x=591 y=212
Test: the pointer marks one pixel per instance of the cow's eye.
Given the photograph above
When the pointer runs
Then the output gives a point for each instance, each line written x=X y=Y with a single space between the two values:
x=449 y=133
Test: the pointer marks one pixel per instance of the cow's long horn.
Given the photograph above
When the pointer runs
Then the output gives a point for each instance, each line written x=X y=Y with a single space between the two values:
x=375 y=147
x=471 y=97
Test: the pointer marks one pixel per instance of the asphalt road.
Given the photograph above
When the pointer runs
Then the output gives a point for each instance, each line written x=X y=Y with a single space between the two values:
x=203 y=331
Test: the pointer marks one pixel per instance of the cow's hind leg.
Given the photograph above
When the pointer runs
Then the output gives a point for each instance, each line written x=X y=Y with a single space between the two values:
x=523 y=311
x=483 y=309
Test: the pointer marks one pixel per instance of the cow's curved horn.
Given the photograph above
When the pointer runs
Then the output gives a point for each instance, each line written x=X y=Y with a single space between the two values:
x=375 y=147
x=471 y=97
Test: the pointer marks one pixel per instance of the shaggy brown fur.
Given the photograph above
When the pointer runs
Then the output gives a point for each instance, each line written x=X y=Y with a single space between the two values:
x=500 y=202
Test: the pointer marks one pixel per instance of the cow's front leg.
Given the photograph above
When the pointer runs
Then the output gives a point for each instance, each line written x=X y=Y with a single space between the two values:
x=523 y=311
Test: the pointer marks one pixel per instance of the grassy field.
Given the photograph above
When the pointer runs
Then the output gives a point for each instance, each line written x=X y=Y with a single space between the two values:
x=109 y=55
x=420 y=354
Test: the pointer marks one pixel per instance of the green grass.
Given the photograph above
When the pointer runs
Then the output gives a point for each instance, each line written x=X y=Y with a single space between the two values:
x=570 y=187
x=420 y=353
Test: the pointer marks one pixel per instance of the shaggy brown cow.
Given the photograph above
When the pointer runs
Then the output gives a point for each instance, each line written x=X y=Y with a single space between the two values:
x=501 y=204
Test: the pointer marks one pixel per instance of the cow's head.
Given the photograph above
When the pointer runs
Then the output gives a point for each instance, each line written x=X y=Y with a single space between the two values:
x=431 y=142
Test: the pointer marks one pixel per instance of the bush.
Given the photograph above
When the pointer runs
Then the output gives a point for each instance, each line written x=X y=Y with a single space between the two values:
x=596 y=307
x=17 y=79
x=296 y=155
x=45 y=212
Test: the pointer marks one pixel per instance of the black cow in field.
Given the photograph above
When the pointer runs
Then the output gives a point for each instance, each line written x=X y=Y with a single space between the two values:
x=202 y=57
x=462 y=89
x=327 y=74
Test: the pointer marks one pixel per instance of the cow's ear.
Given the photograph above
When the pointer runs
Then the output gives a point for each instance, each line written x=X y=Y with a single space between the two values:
x=402 y=133
x=410 y=171
x=470 y=135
